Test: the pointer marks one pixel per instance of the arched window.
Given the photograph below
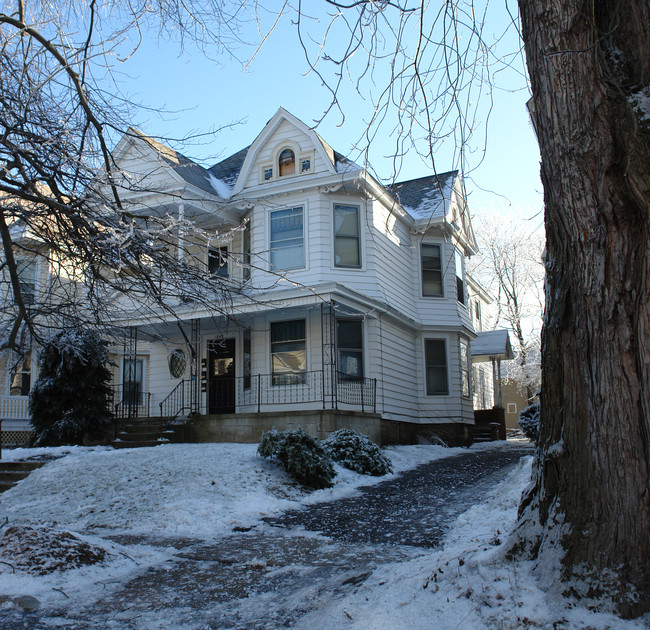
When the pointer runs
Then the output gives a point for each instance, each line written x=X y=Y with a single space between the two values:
x=287 y=162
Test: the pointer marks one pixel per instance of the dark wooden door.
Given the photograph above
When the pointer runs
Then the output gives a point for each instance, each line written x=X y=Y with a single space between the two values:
x=221 y=376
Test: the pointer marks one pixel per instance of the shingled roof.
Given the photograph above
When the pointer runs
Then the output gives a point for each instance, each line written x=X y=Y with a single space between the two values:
x=426 y=197
x=189 y=170
x=228 y=170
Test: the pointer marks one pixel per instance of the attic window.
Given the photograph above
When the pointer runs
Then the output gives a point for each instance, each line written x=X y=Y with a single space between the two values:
x=268 y=173
x=305 y=166
x=287 y=162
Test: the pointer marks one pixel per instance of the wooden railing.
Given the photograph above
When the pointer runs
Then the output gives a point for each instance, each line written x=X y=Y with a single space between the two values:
x=14 y=407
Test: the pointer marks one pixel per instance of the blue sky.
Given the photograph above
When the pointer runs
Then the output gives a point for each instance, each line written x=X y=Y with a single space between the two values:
x=200 y=95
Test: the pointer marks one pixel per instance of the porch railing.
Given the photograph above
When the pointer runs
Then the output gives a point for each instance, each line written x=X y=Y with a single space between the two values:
x=178 y=402
x=263 y=391
x=129 y=403
x=14 y=407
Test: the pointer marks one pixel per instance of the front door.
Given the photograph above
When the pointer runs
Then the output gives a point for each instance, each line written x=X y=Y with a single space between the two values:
x=221 y=376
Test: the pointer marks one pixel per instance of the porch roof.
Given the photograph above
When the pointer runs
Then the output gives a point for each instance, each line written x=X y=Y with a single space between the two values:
x=491 y=344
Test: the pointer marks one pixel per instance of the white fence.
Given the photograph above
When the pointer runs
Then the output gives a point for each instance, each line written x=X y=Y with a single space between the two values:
x=14 y=407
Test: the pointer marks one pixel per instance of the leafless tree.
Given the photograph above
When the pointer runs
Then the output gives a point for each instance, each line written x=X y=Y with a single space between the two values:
x=64 y=202
x=511 y=267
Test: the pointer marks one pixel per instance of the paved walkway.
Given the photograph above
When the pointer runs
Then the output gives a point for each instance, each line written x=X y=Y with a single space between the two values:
x=270 y=576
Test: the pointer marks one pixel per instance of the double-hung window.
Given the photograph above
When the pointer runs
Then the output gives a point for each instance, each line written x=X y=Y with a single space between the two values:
x=431 y=261
x=464 y=368
x=435 y=358
x=133 y=382
x=349 y=333
x=347 y=241
x=287 y=238
x=218 y=262
x=460 y=277
x=21 y=378
x=26 y=269
x=288 y=352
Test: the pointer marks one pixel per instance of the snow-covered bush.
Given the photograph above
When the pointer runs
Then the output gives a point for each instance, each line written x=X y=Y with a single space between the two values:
x=529 y=421
x=70 y=399
x=357 y=452
x=300 y=454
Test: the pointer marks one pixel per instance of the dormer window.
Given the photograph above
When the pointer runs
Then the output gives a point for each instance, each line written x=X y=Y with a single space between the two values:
x=287 y=163
x=305 y=166
x=268 y=173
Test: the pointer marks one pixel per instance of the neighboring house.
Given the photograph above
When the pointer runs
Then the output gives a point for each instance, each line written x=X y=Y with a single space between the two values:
x=350 y=303
x=514 y=401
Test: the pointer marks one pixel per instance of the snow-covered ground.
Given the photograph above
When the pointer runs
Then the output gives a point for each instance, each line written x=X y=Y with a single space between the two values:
x=204 y=491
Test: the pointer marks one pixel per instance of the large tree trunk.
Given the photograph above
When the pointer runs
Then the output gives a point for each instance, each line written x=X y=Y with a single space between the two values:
x=587 y=60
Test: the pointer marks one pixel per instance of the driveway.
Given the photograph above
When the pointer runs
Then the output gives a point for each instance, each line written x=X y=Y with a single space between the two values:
x=284 y=567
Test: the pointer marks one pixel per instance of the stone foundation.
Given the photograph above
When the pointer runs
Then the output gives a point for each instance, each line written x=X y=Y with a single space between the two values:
x=248 y=428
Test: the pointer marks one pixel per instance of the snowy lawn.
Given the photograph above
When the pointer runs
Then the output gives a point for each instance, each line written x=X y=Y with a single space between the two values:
x=203 y=491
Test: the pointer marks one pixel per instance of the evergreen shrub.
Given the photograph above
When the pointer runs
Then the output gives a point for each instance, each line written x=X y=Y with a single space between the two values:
x=70 y=399
x=300 y=454
x=529 y=421
x=357 y=452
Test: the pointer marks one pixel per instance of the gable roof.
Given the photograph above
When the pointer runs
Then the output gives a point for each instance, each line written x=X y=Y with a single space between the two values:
x=426 y=198
x=491 y=344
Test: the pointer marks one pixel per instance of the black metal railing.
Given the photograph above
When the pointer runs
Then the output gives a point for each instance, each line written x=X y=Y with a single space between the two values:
x=179 y=401
x=129 y=403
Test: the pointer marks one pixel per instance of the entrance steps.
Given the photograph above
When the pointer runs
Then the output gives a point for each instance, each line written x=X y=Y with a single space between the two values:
x=13 y=472
x=142 y=433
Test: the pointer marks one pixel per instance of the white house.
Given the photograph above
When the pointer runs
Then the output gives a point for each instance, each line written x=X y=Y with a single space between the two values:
x=350 y=303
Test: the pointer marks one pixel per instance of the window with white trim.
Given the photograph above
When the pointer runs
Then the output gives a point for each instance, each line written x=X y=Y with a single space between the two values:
x=286 y=163
x=460 y=277
x=435 y=359
x=464 y=368
x=288 y=352
x=347 y=241
x=218 y=262
x=431 y=265
x=349 y=338
x=287 y=238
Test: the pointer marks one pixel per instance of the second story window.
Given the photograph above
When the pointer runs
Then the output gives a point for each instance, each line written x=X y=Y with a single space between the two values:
x=21 y=378
x=347 y=241
x=460 y=277
x=287 y=163
x=218 y=262
x=287 y=239
x=431 y=263
x=26 y=269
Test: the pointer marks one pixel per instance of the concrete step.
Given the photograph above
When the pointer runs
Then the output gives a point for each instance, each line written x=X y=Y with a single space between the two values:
x=134 y=443
x=13 y=475
x=13 y=472
x=21 y=465
x=139 y=436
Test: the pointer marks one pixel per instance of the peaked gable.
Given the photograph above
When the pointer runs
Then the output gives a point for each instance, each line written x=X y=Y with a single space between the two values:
x=435 y=199
x=136 y=154
x=284 y=131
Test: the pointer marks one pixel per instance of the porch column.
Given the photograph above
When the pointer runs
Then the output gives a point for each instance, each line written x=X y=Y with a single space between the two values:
x=181 y=240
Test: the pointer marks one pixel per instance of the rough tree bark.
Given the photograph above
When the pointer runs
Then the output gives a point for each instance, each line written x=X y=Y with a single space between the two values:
x=589 y=64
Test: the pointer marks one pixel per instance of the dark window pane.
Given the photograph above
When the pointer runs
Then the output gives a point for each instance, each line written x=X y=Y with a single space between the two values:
x=436 y=367
x=347 y=250
x=431 y=270
x=218 y=262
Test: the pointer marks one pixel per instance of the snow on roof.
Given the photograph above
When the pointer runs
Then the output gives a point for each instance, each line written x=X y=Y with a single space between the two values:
x=492 y=343
x=228 y=169
x=426 y=197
